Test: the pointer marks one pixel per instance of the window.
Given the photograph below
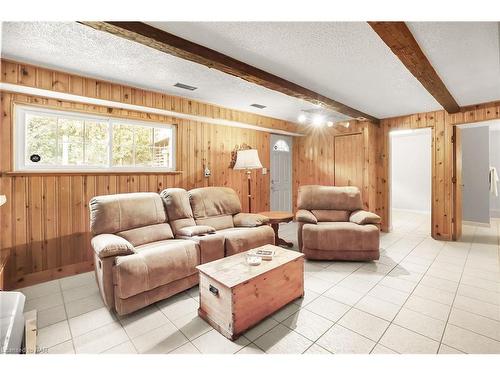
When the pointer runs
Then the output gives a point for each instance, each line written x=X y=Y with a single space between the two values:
x=50 y=140
x=281 y=145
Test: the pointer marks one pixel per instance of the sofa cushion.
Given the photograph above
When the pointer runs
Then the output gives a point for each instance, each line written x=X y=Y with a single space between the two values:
x=154 y=265
x=214 y=201
x=149 y=233
x=316 y=197
x=176 y=201
x=343 y=236
x=177 y=204
x=120 y=212
x=242 y=239
x=331 y=215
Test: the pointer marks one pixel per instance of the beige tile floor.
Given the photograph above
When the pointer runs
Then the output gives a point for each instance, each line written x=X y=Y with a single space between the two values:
x=422 y=296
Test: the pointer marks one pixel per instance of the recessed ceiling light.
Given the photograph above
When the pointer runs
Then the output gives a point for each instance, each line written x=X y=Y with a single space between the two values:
x=302 y=118
x=329 y=124
x=260 y=106
x=317 y=120
x=185 y=87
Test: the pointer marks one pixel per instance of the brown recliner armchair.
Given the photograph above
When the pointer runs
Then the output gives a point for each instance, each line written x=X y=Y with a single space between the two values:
x=332 y=224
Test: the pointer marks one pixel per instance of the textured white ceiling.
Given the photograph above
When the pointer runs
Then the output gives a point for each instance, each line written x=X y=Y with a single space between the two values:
x=79 y=49
x=345 y=61
x=466 y=55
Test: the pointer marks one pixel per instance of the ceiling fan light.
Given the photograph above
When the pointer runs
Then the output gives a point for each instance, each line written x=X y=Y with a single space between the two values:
x=317 y=120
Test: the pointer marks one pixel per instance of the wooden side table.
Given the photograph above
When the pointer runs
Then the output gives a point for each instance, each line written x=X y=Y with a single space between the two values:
x=4 y=261
x=275 y=218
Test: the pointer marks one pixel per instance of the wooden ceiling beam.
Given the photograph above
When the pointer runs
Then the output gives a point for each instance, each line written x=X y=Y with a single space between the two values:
x=402 y=43
x=163 y=41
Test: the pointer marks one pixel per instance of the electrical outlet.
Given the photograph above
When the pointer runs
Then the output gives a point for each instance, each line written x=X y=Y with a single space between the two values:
x=208 y=172
x=264 y=170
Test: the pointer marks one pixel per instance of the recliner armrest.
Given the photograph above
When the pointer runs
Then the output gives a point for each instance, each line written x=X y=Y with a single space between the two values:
x=363 y=217
x=249 y=220
x=305 y=216
x=195 y=230
x=211 y=246
x=111 y=245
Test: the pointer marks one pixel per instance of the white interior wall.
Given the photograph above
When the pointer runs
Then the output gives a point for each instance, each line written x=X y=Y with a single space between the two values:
x=411 y=170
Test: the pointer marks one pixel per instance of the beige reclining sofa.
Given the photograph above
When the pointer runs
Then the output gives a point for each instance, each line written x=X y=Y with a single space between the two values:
x=332 y=224
x=147 y=246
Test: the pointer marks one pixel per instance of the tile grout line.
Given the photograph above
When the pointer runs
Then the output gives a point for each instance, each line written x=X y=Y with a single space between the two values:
x=409 y=295
x=351 y=307
x=456 y=292
x=335 y=284
x=319 y=295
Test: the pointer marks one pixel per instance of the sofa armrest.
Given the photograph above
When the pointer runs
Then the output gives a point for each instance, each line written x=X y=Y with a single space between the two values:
x=249 y=220
x=305 y=216
x=363 y=217
x=211 y=246
x=111 y=245
x=195 y=230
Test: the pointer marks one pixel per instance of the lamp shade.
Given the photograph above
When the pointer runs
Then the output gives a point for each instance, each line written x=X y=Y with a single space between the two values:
x=3 y=199
x=247 y=159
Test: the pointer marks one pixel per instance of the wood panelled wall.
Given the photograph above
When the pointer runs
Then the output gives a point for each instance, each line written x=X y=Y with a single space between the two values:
x=441 y=124
x=338 y=156
x=45 y=223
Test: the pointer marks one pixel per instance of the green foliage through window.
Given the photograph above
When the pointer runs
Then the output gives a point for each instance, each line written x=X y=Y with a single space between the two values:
x=71 y=141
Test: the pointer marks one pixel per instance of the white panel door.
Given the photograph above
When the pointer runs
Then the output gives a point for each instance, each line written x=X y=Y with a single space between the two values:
x=281 y=173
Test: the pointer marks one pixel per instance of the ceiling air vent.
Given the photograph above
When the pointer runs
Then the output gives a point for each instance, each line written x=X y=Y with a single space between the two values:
x=260 y=106
x=185 y=87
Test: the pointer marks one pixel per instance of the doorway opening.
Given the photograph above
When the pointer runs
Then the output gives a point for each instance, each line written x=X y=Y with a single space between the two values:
x=281 y=173
x=411 y=181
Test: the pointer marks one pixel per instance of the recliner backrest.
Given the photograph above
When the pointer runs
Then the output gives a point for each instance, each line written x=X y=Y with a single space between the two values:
x=338 y=198
x=138 y=217
x=214 y=206
x=180 y=214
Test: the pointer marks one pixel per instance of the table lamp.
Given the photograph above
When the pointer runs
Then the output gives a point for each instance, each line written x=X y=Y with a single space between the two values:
x=248 y=160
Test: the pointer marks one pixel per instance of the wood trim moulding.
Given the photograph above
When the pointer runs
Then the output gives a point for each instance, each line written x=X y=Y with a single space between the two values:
x=398 y=37
x=165 y=42
x=25 y=90
x=88 y=173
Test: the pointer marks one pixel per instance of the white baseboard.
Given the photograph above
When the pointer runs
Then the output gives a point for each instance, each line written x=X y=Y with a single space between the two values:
x=412 y=211
x=494 y=213
x=476 y=224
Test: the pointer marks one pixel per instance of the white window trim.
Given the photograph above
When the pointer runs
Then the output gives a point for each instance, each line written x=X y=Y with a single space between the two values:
x=19 y=138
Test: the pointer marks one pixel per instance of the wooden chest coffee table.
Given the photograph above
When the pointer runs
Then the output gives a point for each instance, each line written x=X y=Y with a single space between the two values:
x=235 y=296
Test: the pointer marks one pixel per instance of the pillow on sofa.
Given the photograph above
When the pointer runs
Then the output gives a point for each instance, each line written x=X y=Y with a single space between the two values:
x=363 y=217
